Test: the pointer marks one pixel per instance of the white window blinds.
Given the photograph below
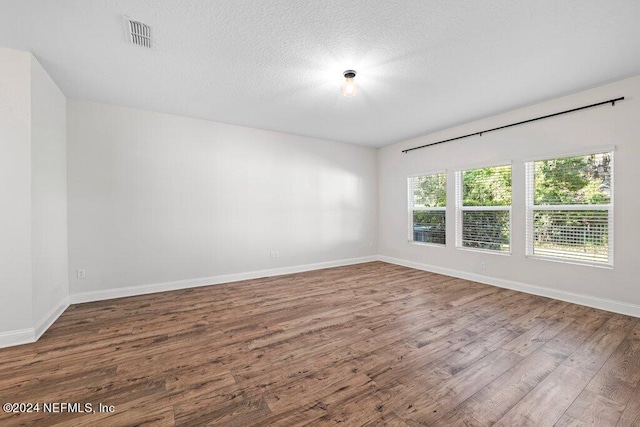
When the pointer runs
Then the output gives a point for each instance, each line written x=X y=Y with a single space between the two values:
x=483 y=208
x=427 y=208
x=570 y=208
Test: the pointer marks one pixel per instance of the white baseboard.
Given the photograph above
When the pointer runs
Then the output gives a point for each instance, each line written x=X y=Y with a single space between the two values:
x=589 y=301
x=25 y=336
x=206 y=281
x=17 y=337
x=53 y=314
x=30 y=335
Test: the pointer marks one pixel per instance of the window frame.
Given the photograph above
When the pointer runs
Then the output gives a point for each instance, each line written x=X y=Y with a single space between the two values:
x=531 y=208
x=460 y=208
x=411 y=208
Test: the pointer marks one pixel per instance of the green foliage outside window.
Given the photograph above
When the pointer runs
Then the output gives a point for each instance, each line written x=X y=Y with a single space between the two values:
x=573 y=180
x=487 y=186
x=429 y=191
x=577 y=180
x=429 y=227
x=490 y=186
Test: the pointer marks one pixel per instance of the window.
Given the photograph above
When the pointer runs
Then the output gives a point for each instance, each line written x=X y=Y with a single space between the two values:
x=483 y=208
x=570 y=208
x=427 y=208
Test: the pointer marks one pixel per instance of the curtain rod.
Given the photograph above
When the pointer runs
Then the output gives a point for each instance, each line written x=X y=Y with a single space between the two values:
x=611 y=101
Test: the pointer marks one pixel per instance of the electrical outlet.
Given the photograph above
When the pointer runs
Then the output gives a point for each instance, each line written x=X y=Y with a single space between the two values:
x=483 y=265
x=277 y=254
x=81 y=273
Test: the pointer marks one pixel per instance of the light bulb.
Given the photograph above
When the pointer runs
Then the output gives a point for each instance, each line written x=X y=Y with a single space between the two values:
x=349 y=87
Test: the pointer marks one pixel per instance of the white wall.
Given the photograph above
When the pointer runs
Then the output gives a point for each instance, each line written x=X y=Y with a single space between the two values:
x=157 y=198
x=15 y=191
x=601 y=126
x=33 y=199
x=48 y=194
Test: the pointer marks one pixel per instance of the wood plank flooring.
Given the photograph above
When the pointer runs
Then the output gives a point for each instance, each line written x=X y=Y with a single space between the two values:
x=366 y=345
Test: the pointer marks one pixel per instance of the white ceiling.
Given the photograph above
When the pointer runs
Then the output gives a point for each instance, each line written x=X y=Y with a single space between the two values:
x=277 y=64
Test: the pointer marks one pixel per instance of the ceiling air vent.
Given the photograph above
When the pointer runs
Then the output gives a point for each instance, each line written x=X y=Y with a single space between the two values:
x=138 y=32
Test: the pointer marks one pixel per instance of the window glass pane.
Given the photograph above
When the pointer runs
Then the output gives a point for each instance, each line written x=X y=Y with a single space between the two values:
x=486 y=230
x=578 y=235
x=573 y=180
x=429 y=227
x=430 y=191
x=487 y=186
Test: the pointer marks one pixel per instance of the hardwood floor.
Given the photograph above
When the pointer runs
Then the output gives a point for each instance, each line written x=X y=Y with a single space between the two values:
x=371 y=344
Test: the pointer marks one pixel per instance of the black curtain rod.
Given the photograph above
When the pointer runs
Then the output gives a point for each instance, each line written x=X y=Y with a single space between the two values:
x=611 y=101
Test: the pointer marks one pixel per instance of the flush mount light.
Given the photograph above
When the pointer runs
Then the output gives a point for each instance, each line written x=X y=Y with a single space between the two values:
x=349 y=87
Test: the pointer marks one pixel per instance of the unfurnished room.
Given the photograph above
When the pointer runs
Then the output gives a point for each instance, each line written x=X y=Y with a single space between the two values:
x=319 y=213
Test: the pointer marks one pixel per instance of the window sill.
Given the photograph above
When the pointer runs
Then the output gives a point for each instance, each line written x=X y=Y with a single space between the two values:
x=484 y=251
x=572 y=262
x=435 y=245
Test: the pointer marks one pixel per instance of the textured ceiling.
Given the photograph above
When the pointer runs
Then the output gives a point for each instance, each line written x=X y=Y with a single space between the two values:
x=276 y=64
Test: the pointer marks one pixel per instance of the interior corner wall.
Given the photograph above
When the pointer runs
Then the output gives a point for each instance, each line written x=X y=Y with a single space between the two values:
x=157 y=198
x=603 y=126
x=48 y=196
x=33 y=199
x=15 y=193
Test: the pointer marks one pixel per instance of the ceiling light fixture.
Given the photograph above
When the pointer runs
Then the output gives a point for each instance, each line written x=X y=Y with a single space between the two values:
x=349 y=87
